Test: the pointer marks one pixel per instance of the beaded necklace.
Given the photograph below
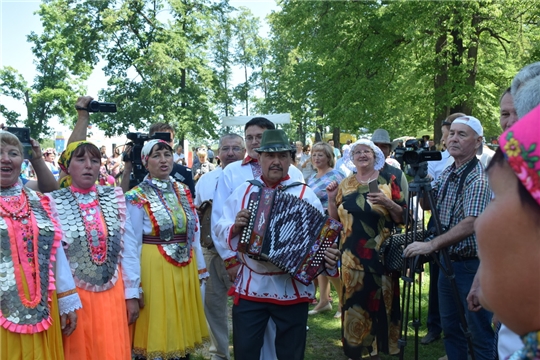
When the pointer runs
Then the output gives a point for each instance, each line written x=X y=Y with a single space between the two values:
x=15 y=214
x=36 y=275
x=30 y=249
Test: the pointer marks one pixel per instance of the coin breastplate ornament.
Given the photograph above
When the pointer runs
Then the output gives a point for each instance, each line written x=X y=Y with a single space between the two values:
x=17 y=313
x=93 y=254
x=159 y=210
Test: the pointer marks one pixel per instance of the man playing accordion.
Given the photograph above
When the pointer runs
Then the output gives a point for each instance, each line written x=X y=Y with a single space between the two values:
x=261 y=289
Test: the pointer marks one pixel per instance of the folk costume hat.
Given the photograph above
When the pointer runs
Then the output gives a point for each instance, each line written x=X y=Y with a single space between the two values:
x=65 y=159
x=147 y=149
x=274 y=141
x=521 y=146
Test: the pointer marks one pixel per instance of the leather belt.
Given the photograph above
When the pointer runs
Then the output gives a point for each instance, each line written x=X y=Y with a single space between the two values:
x=156 y=240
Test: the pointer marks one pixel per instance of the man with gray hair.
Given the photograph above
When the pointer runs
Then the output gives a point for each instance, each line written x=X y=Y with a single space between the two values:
x=526 y=89
x=231 y=148
x=462 y=193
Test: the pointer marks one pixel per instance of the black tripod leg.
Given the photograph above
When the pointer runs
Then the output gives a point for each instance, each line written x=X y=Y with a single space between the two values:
x=405 y=296
x=411 y=267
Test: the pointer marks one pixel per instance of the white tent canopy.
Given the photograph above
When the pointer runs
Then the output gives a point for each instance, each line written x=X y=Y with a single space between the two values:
x=242 y=120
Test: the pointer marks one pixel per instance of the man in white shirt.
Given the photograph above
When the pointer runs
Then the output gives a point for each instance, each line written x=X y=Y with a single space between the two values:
x=231 y=149
x=238 y=173
x=262 y=290
x=233 y=176
x=178 y=156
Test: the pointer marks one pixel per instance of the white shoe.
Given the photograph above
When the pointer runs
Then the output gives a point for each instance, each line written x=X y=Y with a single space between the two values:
x=327 y=307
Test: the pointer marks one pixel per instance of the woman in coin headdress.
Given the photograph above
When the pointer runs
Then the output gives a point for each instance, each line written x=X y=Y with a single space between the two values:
x=103 y=255
x=30 y=326
x=172 y=323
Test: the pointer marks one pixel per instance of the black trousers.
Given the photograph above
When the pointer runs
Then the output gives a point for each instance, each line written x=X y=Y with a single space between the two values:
x=249 y=324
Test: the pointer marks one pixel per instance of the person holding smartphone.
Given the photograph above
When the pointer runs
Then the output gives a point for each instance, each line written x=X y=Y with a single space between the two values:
x=323 y=159
x=370 y=294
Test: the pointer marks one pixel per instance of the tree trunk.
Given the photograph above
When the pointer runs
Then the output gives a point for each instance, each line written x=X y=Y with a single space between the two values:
x=319 y=132
x=247 y=91
x=440 y=109
x=336 y=132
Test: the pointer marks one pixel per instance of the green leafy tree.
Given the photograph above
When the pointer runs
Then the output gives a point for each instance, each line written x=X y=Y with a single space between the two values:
x=248 y=53
x=402 y=65
x=63 y=61
x=157 y=61
x=222 y=62
x=156 y=58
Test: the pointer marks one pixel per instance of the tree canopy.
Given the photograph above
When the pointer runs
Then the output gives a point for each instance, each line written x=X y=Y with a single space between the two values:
x=401 y=65
x=350 y=65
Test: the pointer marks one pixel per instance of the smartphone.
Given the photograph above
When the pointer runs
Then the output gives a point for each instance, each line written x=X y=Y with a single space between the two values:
x=373 y=186
x=23 y=134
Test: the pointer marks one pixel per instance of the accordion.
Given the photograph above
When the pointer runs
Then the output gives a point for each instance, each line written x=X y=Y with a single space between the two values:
x=288 y=232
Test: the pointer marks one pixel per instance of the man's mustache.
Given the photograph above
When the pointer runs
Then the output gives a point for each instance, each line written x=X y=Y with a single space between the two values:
x=276 y=167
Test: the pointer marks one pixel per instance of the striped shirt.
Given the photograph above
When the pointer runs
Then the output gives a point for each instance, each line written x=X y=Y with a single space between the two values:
x=318 y=185
x=472 y=201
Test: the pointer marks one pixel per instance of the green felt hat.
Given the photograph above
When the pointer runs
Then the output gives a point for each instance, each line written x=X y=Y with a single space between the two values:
x=274 y=141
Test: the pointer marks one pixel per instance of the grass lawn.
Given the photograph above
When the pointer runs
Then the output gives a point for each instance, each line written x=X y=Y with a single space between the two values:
x=324 y=336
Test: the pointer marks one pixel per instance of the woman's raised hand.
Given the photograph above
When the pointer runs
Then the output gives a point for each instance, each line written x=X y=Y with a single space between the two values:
x=331 y=191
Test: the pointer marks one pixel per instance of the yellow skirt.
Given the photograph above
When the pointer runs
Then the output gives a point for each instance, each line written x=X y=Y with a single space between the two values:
x=45 y=345
x=172 y=322
x=102 y=329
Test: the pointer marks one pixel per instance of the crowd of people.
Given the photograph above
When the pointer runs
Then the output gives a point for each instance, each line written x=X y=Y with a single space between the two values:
x=92 y=267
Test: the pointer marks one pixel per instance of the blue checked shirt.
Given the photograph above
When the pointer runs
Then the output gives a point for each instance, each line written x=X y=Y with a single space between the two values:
x=473 y=199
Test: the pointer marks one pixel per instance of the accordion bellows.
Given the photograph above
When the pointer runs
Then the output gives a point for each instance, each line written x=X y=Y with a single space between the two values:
x=289 y=232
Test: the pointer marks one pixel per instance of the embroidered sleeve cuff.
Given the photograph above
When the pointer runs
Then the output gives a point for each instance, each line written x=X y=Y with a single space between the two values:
x=231 y=262
x=131 y=293
x=203 y=274
x=69 y=303
x=66 y=293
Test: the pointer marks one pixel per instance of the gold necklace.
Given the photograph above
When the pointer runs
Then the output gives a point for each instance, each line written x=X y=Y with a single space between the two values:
x=368 y=180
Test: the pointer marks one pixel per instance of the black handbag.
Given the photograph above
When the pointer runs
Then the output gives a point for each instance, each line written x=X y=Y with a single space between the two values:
x=391 y=251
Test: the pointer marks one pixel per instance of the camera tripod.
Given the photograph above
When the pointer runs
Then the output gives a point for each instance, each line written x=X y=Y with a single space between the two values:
x=421 y=187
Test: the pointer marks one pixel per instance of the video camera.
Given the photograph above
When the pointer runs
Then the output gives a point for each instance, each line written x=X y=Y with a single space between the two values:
x=96 y=106
x=23 y=134
x=416 y=155
x=134 y=156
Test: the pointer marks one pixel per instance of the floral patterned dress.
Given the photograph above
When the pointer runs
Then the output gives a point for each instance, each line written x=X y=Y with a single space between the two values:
x=531 y=347
x=371 y=314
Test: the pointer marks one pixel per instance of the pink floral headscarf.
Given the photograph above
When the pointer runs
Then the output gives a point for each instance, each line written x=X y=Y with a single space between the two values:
x=521 y=145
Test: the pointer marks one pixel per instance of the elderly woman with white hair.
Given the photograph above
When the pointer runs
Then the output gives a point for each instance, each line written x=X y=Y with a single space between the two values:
x=370 y=294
